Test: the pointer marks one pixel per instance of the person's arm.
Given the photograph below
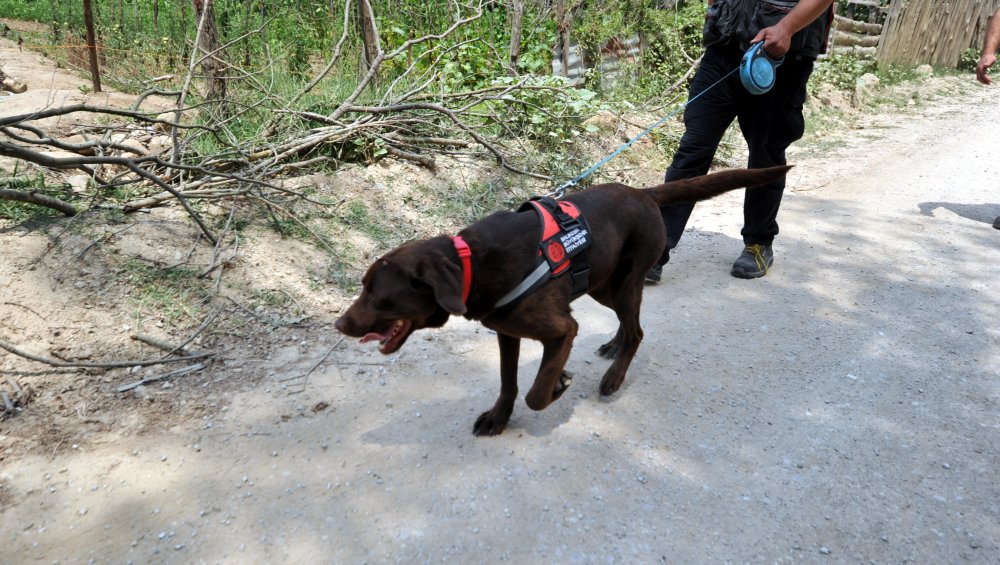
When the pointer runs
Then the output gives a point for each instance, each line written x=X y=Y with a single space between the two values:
x=990 y=47
x=778 y=38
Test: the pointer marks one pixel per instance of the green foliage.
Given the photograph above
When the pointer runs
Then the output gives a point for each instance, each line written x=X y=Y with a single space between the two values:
x=30 y=10
x=672 y=37
x=598 y=26
x=842 y=70
x=895 y=75
x=546 y=112
x=340 y=273
x=969 y=60
x=19 y=212
x=469 y=66
x=536 y=54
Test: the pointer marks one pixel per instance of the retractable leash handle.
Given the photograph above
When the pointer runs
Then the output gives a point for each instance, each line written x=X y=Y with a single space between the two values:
x=758 y=70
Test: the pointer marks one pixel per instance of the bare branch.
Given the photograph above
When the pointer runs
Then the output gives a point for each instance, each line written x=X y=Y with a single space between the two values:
x=501 y=160
x=170 y=374
x=34 y=197
x=4 y=344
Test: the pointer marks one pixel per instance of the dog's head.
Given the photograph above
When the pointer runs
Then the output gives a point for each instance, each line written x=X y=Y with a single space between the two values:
x=417 y=285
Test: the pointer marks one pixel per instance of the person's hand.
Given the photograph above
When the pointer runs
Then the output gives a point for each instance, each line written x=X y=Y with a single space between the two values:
x=776 y=40
x=985 y=62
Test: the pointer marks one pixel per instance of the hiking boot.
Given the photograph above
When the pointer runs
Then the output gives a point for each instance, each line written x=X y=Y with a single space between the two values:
x=754 y=262
x=654 y=274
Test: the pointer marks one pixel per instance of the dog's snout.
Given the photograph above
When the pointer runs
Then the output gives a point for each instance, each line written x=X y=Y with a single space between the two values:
x=341 y=324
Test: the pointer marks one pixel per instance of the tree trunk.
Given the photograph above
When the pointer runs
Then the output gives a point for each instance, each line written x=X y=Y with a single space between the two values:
x=88 y=20
x=563 y=18
x=213 y=65
x=516 y=24
x=55 y=20
x=246 y=29
x=369 y=34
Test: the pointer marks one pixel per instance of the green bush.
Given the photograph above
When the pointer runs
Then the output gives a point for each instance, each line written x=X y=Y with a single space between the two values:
x=969 y=60
x=842 y=70
x=549 y=115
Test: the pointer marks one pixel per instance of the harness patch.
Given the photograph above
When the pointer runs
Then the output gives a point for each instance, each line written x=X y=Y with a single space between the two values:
x=565 y=234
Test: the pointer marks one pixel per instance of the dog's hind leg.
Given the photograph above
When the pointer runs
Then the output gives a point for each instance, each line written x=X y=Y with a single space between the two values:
x=626 y=341
x=605 y=297
x=619 y=295
x=492 y=422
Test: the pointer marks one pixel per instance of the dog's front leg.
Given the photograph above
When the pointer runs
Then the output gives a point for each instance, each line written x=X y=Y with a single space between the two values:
x=552 y=381
x=492 y=422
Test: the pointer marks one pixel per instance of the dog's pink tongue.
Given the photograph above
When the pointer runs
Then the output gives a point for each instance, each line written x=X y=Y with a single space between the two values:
x=372 y=336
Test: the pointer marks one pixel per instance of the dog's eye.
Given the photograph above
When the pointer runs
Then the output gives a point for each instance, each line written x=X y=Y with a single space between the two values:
x=420 y=286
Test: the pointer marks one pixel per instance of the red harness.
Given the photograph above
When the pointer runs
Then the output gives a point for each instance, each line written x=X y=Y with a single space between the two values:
x=552 y=248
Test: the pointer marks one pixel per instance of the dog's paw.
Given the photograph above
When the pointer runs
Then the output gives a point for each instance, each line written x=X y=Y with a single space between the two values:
x=611 y=383
x=489 y=424
x=565 y=379
x=610 y=349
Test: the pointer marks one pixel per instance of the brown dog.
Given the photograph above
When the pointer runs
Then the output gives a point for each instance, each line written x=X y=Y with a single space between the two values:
x=420 y=284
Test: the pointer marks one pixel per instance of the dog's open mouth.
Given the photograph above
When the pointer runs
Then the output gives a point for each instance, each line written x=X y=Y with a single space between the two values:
x=392 y=337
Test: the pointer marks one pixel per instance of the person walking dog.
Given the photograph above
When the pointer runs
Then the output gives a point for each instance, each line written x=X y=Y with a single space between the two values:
x=990 y=47
x=770 y=122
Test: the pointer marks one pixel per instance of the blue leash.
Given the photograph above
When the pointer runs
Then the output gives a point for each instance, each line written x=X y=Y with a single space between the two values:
x=559 y=192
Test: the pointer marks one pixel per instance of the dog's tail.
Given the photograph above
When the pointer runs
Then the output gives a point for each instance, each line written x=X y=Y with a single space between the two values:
x=709 y=186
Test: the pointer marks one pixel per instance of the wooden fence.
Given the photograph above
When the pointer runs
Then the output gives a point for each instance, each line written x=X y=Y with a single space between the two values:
x=935 y=32
x=850 y=35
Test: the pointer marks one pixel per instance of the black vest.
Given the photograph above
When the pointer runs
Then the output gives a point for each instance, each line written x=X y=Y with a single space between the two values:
x=741 y=20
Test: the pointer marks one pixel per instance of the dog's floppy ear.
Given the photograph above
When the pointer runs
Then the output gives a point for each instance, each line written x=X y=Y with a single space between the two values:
x=445 y=278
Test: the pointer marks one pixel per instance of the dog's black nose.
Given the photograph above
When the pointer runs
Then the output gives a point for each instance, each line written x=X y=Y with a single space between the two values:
x=341 y=325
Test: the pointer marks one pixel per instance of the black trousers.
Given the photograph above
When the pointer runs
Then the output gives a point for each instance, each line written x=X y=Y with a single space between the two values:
x=770 y=122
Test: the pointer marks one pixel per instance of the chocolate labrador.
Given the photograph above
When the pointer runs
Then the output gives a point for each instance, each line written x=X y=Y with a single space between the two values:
x=421 y=283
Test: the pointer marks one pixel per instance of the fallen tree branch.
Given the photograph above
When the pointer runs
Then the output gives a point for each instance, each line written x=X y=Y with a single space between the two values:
x=109 y=365
x=305 y=377
x=64 y=110
x=160 y=377
x=33 y=197
x=78 y=257
x=450 y=114
x=208 y=321
x=158 y=343
x=291 y=215
x=11 y=150
x=427 y=162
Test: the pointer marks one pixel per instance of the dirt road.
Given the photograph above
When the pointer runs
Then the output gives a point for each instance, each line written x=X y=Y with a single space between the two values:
x=846 y=408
